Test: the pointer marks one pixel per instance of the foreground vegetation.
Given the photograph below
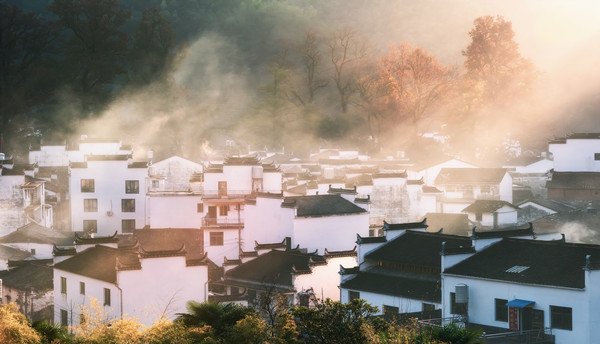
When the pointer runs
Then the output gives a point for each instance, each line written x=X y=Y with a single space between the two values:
x=208 y=323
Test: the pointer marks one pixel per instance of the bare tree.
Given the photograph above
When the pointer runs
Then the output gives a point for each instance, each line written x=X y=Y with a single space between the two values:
x=311 y=62
x=347 y=51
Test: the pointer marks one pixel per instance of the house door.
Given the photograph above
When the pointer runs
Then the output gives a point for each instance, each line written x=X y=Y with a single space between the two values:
x=212 y=214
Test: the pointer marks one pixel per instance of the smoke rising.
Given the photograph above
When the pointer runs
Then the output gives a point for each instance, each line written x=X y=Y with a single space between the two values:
x=212 y=90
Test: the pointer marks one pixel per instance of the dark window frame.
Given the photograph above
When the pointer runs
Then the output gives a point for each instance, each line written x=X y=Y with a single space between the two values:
x=596 y=156
x=127 y=225
x=88 y=185
x=64 y=318
x=63 y=285
x=217 y=238
x=501 y=310
x=200 y=207
x=132 y=186
x=561 y=318
x=106 y=297
x=128 y=205
x=427 y=307
x=90 y=205
x=353 y=295
x=457 y=308
x=82 y=288
x=90 y=226
x=223 y=210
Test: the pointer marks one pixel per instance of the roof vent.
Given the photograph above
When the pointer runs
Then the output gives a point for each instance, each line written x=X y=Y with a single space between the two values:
x=518 y=269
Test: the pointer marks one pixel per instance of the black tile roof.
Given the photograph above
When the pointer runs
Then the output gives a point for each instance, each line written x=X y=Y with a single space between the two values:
x=487 y=206
x=370 y=240
x=417 y=248
x=430 y=189
x=11 y=172
x=574 y=180
x=551 y=263
x=98 y=262
x=388 y=284
x=550 y=204
x=526 y=230
x=272 y=268
x=34 y=233
x=322 y=205
x=470 y=176
x=390 y=175
x=29 y=274
x=155 y=239
x=10 y=253
x=406 y=225
x=114 y=157
x=242 y=161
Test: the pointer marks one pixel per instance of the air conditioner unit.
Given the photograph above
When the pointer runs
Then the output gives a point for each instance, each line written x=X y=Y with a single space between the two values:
x=109 y=213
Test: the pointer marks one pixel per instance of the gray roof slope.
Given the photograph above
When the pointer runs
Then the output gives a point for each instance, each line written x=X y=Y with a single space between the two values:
x=417 y=248
x=412 y=288
x=551 y=263
x=470 y=176
x=574 y=180
x=34 y=233
x=322 y=205
x=30 y=274
x=273 y=268
x=98 y=262
x=10 y=253
x=487 y=206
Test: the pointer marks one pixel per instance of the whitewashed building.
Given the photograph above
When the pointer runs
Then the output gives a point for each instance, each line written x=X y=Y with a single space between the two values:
x=520 y=285
x=128 y=281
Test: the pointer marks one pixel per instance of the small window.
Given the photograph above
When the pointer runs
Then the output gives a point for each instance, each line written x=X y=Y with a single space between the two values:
x=390 y=310
x=457 y=308
x=90 y=205
x=501 y=310
x=478 y=216
x=561 y=318
x=90 y=226
x=200 y=208
x=33 y=251
x=82 y=288
x=596 y=156
x=127 y=226
x=132 y=186
x=106 y=297
x=128 y=205
x=303 y=299
x=353 y=295
x=428 y=307
x=63 y=285
x=88 y=185
x=216 y=238
x=223 y=210
x=64 y=318
x=155 y=184
x=222 y=189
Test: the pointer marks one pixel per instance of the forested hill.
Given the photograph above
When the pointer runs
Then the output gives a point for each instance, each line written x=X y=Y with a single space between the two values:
x=176 y=74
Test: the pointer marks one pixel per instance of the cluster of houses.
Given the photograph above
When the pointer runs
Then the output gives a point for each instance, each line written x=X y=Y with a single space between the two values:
x=506 y=248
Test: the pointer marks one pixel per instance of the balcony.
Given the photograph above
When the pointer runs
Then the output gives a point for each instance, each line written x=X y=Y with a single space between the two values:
x=223 y=222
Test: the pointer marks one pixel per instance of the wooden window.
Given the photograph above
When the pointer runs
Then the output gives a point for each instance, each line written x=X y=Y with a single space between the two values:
x=88 y=185
x=353 y=295
x=223 y=210
x=200 y=207
x=390 y=310
x=106 y=297
x=132 y=186
x=64 y=318
x=127 y=226
x=457 y=308
x=155 y=184
x=216 y=238
x=90 y=205
x=128 y=205
x=596 y=156
x=82 y=288
x=63 y=285
x=90 y=226
x=222 y=189
x=501 y=310
x=561 y=318
x=428 y=307
x=33 y=251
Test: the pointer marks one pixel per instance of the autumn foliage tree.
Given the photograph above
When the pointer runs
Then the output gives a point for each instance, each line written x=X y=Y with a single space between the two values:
x=493 y=63
x=414 y=81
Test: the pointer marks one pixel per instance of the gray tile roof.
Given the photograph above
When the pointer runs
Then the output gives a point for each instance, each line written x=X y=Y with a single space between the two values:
x=322 y=205
x=470 y=176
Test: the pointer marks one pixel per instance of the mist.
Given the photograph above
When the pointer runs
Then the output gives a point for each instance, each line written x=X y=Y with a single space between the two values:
x=212 y=91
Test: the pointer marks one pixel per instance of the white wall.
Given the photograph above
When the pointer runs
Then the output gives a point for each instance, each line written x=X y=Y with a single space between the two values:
x=576 y=155
x=50 y=156
x=378 y=300
x=163 y=286
x=11 y=203
x=429 y=174
x=110 y=177
x=174 y=211
x=324 y=279
x=335 y=233
x=230 y=247
x=482 y=307
x=272 y=182
x=266 y=222
x=506 y=191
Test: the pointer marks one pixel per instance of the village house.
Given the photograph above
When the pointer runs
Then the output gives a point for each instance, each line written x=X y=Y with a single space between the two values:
x=313 y=222
x=487 y=213
x=299 y=275
x=400 y=272
x=37 y=240
x=522 y=285
x=462 y=186
x=128 y=280
x=29 y=285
